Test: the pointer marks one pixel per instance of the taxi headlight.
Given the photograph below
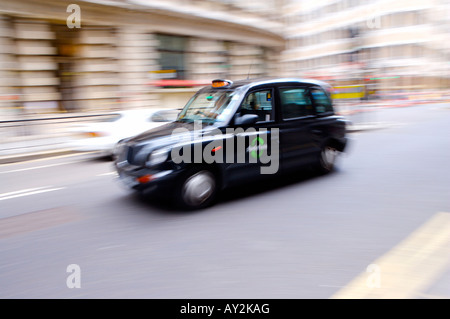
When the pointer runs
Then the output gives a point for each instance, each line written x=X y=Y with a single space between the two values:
x=157 y=157
x=118 y=148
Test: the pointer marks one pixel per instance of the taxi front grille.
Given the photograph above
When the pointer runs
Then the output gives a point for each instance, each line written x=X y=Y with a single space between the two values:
x=123 y=154
x=128 y=154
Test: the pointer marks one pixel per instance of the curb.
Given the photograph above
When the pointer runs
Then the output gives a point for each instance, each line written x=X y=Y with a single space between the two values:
x=38 y=155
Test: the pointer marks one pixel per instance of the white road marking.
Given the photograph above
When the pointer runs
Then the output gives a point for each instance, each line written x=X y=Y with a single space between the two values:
x=107 y=174
x=28 y=192
x=36 y=167
x=21 y=191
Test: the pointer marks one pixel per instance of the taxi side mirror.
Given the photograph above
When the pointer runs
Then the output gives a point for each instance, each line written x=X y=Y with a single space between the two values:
x=246 y=119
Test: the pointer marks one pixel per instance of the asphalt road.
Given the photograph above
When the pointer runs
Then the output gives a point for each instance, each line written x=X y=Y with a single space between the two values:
x=378 y=227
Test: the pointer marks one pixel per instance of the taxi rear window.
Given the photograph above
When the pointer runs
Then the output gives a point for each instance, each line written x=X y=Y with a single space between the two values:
x=321 y=101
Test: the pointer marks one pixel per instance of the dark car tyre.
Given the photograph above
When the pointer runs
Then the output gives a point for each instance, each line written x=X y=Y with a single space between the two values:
x=197 y=189
x=327 y=158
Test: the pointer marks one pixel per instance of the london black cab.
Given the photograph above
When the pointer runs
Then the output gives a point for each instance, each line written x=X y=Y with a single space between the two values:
x=231 y=133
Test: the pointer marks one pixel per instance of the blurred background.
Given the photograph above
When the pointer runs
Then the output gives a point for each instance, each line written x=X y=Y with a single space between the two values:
x=117 y=55
x=74 y=74
x=136 y=53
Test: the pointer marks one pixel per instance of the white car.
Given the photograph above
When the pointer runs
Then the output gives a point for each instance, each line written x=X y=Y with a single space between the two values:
x=103 y=135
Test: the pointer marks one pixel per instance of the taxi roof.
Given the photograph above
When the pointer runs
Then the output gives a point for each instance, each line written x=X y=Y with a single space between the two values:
x=271 y=80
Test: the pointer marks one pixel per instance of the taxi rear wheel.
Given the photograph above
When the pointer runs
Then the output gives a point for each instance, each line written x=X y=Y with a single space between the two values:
x=197 y=189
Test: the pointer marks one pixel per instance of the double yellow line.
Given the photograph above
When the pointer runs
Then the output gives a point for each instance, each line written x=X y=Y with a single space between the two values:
x=409 y=269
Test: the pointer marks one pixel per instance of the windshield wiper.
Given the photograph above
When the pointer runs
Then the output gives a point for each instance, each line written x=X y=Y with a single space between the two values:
x=208 y=121
x=185 y=120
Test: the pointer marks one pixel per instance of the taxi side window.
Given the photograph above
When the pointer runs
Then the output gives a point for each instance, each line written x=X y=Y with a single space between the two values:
x=295 y=102
x=321 y=101
x=259 y=103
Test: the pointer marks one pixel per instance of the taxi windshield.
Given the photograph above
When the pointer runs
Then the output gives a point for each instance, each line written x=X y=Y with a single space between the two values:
x=209 y=107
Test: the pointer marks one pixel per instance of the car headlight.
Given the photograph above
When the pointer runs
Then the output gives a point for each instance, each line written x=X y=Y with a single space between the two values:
x=157 y=157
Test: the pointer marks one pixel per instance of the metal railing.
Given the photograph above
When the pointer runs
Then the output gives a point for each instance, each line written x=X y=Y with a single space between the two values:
x=48 y=125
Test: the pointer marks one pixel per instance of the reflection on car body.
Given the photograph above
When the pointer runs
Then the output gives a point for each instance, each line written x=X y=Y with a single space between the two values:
x=234 y=132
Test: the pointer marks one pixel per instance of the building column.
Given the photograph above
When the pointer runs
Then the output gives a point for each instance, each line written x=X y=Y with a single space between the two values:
x=36 y=66
x=9 y=96
x=273 y=65
x=137 y=58
x=208 y=60
x=246 y=60
x=95 y=81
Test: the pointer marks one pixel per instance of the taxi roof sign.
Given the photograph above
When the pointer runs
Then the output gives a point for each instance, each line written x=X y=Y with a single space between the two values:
x=219 y=83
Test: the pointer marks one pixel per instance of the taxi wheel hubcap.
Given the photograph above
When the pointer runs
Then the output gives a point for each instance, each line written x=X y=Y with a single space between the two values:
x=198 y=188
x=328 y=157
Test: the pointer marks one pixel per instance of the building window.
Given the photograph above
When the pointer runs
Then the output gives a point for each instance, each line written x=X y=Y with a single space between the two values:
x=172 y=56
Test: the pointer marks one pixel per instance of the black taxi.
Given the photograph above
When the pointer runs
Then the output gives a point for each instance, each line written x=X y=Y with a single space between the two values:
x=231 y=133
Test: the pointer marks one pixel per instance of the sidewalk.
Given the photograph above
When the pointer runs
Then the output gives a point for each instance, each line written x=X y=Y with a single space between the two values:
x=29 y=149
x=29 y=139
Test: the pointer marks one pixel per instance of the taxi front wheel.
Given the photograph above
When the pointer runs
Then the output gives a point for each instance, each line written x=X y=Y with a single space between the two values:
x=327 y=158
x=197 y=189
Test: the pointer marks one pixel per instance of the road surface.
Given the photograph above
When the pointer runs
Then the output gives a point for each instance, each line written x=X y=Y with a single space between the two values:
x=378 y=227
